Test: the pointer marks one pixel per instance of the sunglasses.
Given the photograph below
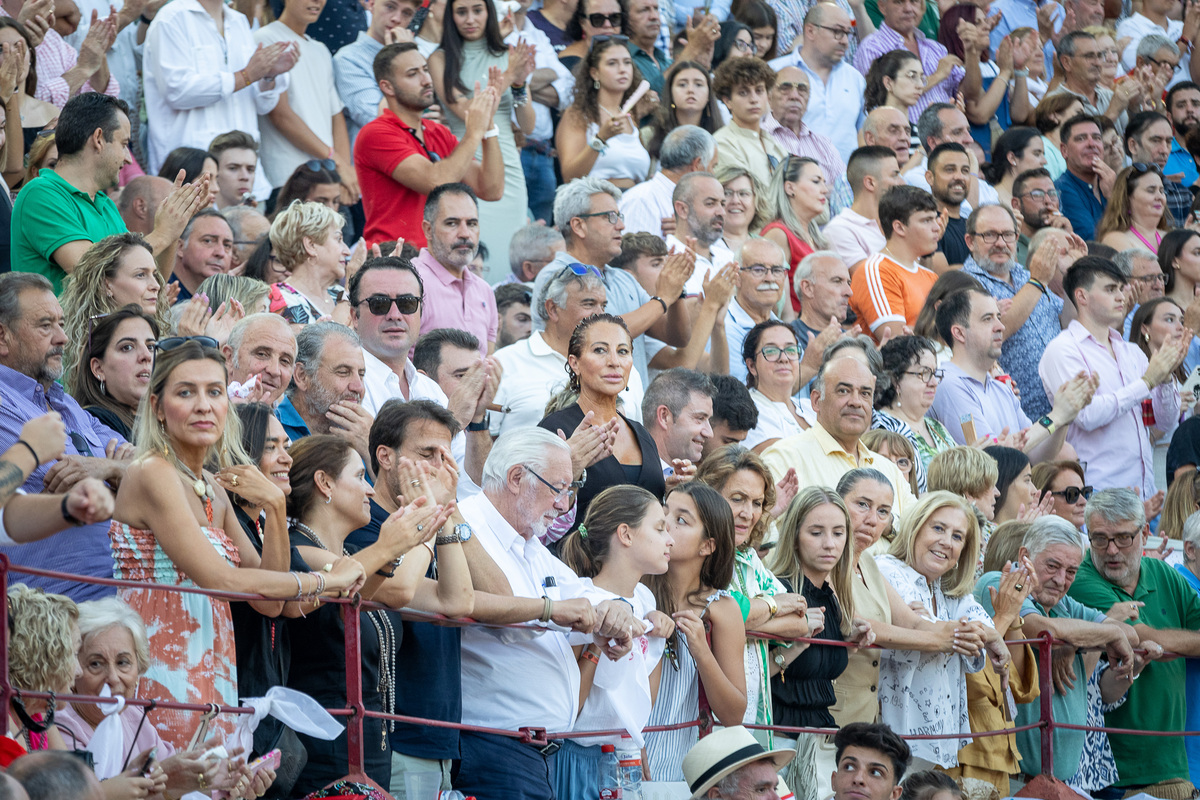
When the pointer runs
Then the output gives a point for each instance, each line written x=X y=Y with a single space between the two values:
x=45 y=133
x=1072 y=494
x=581 y=270
x=318 y=164
x=380 y=304
x=612 y=20
x=173 y=342
x=1142 y=169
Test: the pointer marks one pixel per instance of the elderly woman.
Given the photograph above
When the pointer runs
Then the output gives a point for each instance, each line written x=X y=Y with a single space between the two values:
x=115 y=652
x=307 y=240
x=114 y=272
x=912 y=365
x=112 y=380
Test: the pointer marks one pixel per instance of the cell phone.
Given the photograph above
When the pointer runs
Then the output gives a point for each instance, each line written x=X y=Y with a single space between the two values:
x=269 y=761
x=968 y=429
x=1193 y=380
x=148 y=765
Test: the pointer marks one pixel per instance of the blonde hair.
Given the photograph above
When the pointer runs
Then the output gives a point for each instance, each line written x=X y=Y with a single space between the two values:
x=962 y=470
x=785 y=561
x=960 y=580
x=726 y=173
x=298 y=221
x=222 y=288
x=42 y=649
x=85 y=293
x=1004 y=544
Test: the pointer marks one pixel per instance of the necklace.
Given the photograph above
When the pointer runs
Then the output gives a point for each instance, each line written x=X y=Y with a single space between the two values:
x=199 y=485
x=311 y=535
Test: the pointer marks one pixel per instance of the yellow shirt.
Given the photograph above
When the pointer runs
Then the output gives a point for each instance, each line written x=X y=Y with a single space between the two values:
x=751 y=150
x=820 y=461
x=857 y=688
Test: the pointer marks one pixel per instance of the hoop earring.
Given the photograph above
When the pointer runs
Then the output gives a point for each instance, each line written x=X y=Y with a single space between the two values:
x=329 y=499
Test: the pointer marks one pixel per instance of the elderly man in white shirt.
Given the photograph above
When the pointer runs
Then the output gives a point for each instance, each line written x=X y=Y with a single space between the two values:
x=648 y=207
x=535 y=368
x=388 y=334
x=513 y=678
x=761 y=278
x=204 y=77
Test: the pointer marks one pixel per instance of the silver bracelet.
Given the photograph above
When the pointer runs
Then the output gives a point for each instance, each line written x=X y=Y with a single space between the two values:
x=299 y=586
x=1020 y=73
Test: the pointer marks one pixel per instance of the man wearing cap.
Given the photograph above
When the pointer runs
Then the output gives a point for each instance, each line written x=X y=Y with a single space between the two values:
x=732 y=765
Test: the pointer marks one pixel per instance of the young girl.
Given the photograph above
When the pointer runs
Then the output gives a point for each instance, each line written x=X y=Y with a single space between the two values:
x=624 y=537
x=701 y=673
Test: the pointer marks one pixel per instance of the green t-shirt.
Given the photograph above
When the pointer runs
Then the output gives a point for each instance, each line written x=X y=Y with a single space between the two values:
x=1156 y=699
x=929 y=24
x=49 y=213
x=1070 y=708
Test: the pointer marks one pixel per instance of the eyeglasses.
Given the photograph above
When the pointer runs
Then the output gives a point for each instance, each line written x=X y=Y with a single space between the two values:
x=380 y=304
x=990 y=237
x=745 y=47
x=926 y=374
x=581 y=270
x=1072 y=494
x=773 y=353
x=318 y=164
x=613 y=20
x=1100 y=542
x=1094 y=56
x=788 y=87
x=613 y=217
x=1142 y=169
x=761 y=270
x=568 y=493
x=745 y=195
x=838 y=33
x=1040 y=194
x=1155 y=62
x=903 y=463
x=1157 y=278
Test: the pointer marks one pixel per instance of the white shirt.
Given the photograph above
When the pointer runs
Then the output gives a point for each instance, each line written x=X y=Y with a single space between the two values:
x=835 y=109
x=774 y=420
x=124 y=57
x=380 y=384
x=647 y=204
x=512 y=678
x=720 y=255
x=1136 y=27
x=737 y=324
x=314 y=99
x=926 y=693
x=544 y=57
x=533 y=373
x=987 y=194
x=188 y=75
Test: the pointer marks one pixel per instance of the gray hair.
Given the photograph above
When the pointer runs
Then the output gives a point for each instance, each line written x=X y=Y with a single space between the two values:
x=237 y=333
x=97 y=616
x=757 y=241
x=929 y=124
x=574 y=199
x=54 y=775
x=534 y=242
x=555 y=290
x=685 y=144
x=731 y=785
x=1051 y=530
x=311 y=341
x=1153 y=42
x=861 y=342
x=12 y=286
x=805 y=268
x=1127 y=258
x=516 y=448
x=673 y=388
x=1191 y=529
x=237 y=215
x=1116 y=505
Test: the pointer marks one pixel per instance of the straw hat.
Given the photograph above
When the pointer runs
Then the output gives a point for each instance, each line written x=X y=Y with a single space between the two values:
x=722 y=753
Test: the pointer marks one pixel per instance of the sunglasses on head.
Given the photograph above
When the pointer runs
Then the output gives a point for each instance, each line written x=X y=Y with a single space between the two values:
x=1142 y=169
x=318 y=164
x=581 y=270
x=380 y=304
x=172 y=342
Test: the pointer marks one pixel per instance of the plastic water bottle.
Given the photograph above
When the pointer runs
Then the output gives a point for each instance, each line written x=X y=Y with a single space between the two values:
x=453 y=794
x=629 y=761
x=610 y=773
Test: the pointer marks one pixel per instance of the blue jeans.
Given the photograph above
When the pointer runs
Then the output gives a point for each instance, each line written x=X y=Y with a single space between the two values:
x=500 y=768
x=539 y=183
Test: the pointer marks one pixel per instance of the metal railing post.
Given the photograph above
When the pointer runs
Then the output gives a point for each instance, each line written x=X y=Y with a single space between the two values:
x=1045 y=697
x=354 y=695
x=5 y=686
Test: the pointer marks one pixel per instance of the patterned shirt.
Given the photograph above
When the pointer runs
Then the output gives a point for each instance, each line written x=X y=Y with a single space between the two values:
x=810 y=144
x=886 y=40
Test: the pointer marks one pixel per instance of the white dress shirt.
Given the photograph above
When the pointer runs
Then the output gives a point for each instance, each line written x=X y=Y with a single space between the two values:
x=533 y=373
x=544 y=57
x=188 y=73
x=1135 y=27
x=720 y=255
x=513 y=678
x=647 y=204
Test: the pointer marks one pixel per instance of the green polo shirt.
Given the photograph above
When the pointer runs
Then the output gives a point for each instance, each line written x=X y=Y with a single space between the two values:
x=651 y=71
x=49 y=213
x=1156 y=699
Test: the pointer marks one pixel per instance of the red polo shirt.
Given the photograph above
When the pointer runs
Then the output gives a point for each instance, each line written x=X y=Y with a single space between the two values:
x=393 y=210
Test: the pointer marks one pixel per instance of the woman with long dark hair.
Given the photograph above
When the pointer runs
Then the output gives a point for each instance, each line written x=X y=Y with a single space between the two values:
x=687 y=99
x=473 y=54
x=115 y=364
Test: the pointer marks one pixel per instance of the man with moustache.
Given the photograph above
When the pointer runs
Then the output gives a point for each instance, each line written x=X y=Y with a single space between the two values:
x=456 y=296
x=1183 y=106
x=761 y=278
x=1035 y=199
x=649 y=207
x=1084 y=188
x=699 y=201
x=949 y=176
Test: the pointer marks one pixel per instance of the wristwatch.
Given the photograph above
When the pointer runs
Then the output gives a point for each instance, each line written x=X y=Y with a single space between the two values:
x=598 y=144
x=492 y=132
x=475 y=427
x=1048 y=424
x=462 y=533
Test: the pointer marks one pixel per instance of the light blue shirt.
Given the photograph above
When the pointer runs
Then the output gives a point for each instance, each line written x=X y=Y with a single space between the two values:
x=835 y=109
x=737 y=324
x=354 y=74
x=685 y=8
x=1023 y=14
x=1181 y=160
x=992 y=405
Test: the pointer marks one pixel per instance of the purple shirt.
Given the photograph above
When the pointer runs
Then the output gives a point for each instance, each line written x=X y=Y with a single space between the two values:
x=466 y=303
x=1109 y=434
x=992 y=405
x=885 y=40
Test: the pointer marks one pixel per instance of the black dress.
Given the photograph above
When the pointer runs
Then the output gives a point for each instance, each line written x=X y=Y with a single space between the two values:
x=611 y=472
x=803 y=696
x=319 y=670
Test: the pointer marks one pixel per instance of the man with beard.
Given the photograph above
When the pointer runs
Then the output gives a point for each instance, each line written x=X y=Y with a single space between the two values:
x=699 y=201
x=327 y=387
x=1084 y=188
x=1032 y=320
x=648 y=207
x=1183 y=105
x=401 y=156
x=949 y=176
x=31 y=348
x=1035 y=199
x=761 y=279
x=455 y=296
x=1150 y=595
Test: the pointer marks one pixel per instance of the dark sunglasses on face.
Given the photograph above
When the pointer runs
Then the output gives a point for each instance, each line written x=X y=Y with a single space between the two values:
x=1072 y=494
x=380 y=304
x=612 y=20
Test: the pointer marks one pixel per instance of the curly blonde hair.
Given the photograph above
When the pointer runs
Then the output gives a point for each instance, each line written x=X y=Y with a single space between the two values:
x=297 y=222
x=85 y=292
x=41 y=641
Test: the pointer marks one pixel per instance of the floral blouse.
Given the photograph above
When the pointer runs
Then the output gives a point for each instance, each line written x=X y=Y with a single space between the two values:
x=926 y=693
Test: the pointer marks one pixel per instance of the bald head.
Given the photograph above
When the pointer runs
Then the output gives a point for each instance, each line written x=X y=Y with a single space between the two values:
x=888 y=127
x=140 y=199
x=827 y=32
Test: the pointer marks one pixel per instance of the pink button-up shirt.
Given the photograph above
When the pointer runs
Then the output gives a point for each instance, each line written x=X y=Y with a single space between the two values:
x=465 y=303
x=1109 y=434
